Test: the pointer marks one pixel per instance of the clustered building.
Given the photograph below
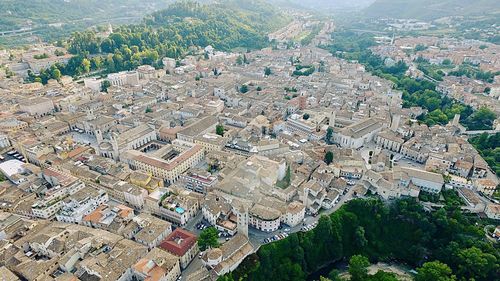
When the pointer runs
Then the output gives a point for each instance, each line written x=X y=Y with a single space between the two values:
x=109 y=185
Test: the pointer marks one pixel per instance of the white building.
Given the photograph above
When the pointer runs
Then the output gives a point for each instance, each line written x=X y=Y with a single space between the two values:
x=134 y=195
x=389 y=140
x=146 y=72
x=12 y=169
x=198 y=180
x=168 y=63
x=356 y=135
x=227 y=258
x=427 y=181
x=93 y=84
x=153 y=230
x=264 y=218
x=80 y=204
x=37 y=106
x=294 y=215
x=46 y=209
x=124 y=78
x=4 y=141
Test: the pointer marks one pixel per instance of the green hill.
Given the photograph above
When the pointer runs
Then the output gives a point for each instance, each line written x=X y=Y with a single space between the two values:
x=172 y=32
x=54 y=19
x=224 y=25
x=431 y=9
x=16 y=14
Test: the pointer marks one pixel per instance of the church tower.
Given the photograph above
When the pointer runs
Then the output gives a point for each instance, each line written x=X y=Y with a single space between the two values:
x=99 y=139
x=114 y=143
x=241 y=211
x=331 y=118
x=396 y=119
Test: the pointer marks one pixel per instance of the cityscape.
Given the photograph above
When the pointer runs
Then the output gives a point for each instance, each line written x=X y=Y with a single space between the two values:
x=250 y=140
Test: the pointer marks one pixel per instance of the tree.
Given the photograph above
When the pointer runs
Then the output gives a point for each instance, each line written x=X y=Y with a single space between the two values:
x=56 y=74
x=328 y=157
x=329 y=134
x=219 y=130
x=148 y=110
x=476 y=264
x=434 y=271
x=41 y=56
x=358 y=268
x=267 y=71
x=208 y=238
x=58 y=53
x=239 y=60
x=105 y=85
x=306 y=116
x=244 y=88
x=447 y=62
x=481 y=119
x=334 y=275
x=259 y=88
x=383 y=276
x=420 y=47
x=86 y=66
x=110 y=63
x=96 y=63
x=359 y=237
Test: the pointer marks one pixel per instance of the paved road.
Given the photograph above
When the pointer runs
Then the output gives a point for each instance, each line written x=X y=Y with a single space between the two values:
x=487 y=235
x=191 y=225
x=195 y=264
x=481 y=132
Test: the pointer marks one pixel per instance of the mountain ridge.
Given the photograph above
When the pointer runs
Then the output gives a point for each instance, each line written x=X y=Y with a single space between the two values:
x=431 y=9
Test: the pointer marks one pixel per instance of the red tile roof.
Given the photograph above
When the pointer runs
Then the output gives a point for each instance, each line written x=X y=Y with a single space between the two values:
x=179 y=242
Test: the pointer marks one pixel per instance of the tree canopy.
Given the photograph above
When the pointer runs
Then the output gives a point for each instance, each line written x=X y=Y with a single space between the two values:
x=401 y=231
x=328 y=157
x=434 y=271
x=173 y=32
x=489 y=148
x=208 y=238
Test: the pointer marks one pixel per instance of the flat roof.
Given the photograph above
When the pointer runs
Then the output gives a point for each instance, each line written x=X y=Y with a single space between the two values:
x=11 y=167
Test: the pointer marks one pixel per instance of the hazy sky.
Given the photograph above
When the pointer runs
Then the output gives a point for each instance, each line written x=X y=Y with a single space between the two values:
x=332 y=3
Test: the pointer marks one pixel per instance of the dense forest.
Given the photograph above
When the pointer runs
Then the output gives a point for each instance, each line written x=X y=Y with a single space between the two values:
x=16 y=14
x=55 y=19
x=442 y=245
x=441 y=109
x=172 y=32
